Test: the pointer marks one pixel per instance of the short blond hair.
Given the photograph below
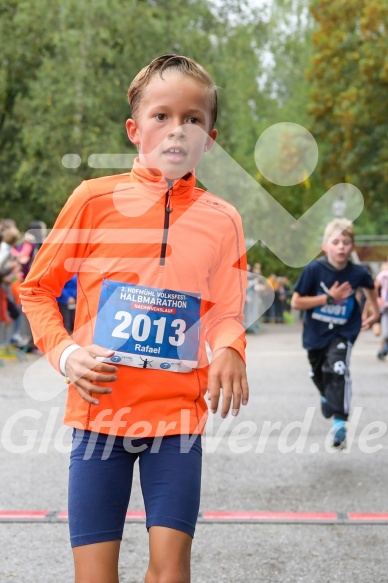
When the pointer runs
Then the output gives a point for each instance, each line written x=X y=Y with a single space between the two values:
x=183 y=65
x=338 y=226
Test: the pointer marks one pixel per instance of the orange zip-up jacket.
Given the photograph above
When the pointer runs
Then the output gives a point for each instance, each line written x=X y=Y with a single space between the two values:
x=134 y=229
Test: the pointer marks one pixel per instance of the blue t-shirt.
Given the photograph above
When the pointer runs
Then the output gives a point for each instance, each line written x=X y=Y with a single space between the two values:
x=322 y=324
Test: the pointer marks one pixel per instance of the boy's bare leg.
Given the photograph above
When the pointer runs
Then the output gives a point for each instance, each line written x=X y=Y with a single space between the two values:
x=170 y=553
x=97 y=563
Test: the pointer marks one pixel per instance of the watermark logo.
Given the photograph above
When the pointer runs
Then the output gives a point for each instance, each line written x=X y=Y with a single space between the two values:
x=286 y=154
x=29 y=430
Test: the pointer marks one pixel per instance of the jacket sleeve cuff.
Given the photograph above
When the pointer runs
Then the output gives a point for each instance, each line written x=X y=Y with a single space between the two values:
x=237 y=344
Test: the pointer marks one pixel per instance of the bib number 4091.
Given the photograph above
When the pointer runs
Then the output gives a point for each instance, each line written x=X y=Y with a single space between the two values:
x=141 y=326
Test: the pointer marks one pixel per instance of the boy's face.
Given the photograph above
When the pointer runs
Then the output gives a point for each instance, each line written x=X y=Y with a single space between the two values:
x=172 y=125
x=339 y=249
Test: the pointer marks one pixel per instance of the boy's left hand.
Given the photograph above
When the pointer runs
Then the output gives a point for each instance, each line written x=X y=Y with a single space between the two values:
x=367 y=322
x=227 y=372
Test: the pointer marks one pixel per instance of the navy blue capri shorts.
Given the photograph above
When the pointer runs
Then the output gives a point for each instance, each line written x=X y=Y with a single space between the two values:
x=100 y=482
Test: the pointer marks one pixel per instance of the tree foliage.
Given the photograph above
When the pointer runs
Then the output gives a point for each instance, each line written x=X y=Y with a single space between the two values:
x=349 y=77
x=288 y=52
x=66 y=72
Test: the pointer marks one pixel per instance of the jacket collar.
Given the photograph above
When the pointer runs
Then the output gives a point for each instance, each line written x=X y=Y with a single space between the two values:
x=157 y=185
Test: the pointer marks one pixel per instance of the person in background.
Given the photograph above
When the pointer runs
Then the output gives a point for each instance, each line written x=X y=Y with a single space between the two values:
x=17 y=339
x=252 y=302
x=273 y=310
x=5 y=278
x=10 y=238
x=332 y=320
x=283 y=299
x=381 y=284
x=32 y=241
x=67 y=303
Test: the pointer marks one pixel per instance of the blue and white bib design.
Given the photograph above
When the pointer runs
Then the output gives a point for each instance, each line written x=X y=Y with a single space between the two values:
x=335 y=313
x=148 y=327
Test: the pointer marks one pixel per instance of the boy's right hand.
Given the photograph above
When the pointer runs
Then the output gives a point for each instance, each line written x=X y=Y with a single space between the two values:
x=340 y=292
x=83 y=369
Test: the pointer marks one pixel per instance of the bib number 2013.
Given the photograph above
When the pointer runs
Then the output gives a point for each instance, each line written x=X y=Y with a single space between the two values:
x=141 y=326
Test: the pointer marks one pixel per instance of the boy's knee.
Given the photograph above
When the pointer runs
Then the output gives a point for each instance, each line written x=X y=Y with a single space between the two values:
x=339 y=368
x=167 y=576
x=176 y=578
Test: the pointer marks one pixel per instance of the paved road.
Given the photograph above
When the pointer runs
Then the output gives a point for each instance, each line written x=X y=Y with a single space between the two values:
x=317 y=525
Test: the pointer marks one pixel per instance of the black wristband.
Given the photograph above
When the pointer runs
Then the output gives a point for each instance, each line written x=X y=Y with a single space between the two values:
x=330 y=300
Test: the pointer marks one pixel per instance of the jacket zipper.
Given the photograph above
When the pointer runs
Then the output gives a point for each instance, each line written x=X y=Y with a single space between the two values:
x=167 y=211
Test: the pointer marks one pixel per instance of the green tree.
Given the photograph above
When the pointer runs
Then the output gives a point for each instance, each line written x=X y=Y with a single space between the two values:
x=24 y=45
x=349 y=76
x=81 y=58
x=77 y=101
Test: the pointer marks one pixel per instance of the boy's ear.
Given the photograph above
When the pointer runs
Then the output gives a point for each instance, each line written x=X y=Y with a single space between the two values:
x=132 y=131
x=210 y=140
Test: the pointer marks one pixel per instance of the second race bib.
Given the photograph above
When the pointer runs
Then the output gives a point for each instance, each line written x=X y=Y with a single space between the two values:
x=335 y=313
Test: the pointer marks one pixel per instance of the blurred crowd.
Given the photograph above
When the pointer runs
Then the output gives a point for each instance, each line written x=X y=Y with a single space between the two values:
x=267 y=299
x=17 y=252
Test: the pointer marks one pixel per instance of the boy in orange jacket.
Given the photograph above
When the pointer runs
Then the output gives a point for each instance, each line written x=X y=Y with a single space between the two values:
x=161 y=270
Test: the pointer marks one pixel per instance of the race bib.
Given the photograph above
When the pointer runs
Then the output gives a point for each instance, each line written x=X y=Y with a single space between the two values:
x=148 y=327
x=335 y=313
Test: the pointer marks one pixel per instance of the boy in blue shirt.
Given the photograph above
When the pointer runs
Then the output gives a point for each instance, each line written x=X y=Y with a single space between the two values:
x=332 y=320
